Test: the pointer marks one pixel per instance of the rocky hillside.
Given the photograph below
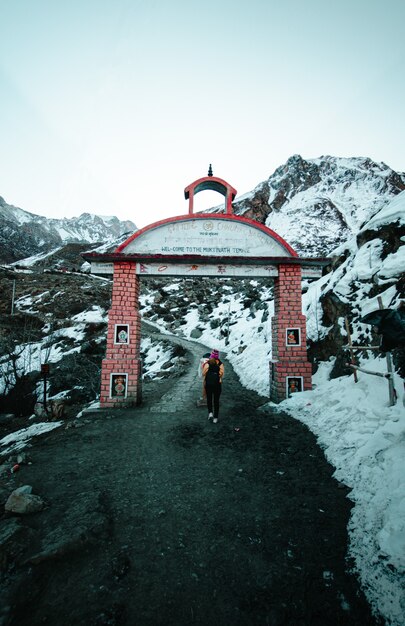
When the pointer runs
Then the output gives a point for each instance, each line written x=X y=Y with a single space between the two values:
x=368 y=266
x=317 y=204
x=24 y=234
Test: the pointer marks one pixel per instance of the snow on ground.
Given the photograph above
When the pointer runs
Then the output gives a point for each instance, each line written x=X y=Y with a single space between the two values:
x=20 y=438
x=364 y=439
x=171 y=287
x=32 y=260
x=154 y=356
x=95 y=315
x=390 y=213
x=31 y=355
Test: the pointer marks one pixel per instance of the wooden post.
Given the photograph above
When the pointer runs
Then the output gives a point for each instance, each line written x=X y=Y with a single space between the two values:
x=13 y=298
x=45 y=372
x=349 y=341
x=361 y=369
x=391 y=388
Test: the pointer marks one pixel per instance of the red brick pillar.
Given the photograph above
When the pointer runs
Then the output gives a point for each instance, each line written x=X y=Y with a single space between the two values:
x=290 y=369
x=121 y=371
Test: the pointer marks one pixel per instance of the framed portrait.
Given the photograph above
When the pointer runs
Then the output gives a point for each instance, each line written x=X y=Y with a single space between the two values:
x=293 y=337
x=293 y=385
x=118 y=385
x=121 y=333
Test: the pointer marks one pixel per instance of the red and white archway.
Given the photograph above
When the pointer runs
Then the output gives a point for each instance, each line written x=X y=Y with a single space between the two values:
x=221 y=245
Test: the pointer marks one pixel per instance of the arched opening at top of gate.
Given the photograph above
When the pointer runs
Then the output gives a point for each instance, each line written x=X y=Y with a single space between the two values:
x=211 y=183
x=209 y=202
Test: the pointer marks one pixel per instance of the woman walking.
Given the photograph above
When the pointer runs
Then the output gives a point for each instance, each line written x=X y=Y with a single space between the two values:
x=213 y=372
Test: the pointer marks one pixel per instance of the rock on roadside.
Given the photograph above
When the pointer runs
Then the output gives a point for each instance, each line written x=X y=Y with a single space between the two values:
x=21 y=501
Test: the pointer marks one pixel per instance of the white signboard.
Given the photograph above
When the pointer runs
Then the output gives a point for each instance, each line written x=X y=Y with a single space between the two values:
x=221 y=270
x=207 y=237
x=311 y=272
x=203 y=269
x=102 y=268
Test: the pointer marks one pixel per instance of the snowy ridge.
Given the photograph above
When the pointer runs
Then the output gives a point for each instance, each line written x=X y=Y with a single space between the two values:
x=343 y=194
x=24 y=234
x=393 y=212
x=86 y=227
x=316 y=204
x=90 y=228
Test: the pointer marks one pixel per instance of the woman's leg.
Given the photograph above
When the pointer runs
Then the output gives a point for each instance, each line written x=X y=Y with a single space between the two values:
x=217 y=392
x=209 y=391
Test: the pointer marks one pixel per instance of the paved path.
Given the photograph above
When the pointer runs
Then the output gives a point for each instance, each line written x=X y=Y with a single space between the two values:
x=185 y=392
x=158 y=517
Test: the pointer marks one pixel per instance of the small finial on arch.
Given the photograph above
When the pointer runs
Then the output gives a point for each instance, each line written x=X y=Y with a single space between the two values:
x=210 y=171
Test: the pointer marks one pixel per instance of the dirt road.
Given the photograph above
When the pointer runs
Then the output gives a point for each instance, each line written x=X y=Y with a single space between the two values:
x=158 y=517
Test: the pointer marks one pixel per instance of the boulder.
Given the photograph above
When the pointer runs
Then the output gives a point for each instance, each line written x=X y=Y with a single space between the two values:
x=23 y=503
x=196 y=333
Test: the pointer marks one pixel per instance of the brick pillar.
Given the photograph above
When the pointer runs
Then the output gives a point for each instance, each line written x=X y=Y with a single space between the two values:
x=121 y=371
x=289 y=364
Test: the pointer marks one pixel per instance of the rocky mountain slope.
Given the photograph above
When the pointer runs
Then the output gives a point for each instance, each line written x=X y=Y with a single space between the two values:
x=317 y=204
x=23 y=234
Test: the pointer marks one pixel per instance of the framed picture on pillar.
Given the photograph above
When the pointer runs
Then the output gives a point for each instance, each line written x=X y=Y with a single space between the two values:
x=293 y=385
x=121 y=334
x=118 y=385
x=293 y=337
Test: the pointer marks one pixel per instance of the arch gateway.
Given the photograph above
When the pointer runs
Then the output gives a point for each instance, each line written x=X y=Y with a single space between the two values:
x=221 y=245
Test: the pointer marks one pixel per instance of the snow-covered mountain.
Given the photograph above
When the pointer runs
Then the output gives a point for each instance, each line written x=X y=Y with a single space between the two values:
x=317 y=204
x=24 y=234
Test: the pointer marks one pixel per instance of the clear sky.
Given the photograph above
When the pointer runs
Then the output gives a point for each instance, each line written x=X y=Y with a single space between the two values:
x=114 y=106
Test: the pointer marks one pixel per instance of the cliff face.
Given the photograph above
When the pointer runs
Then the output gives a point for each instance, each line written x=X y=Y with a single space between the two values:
x=318 y=204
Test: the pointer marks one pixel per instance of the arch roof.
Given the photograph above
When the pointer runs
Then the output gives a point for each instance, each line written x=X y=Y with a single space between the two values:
x=210 y=182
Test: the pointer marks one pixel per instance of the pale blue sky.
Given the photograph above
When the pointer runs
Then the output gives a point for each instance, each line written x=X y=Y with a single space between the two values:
x=114 y=106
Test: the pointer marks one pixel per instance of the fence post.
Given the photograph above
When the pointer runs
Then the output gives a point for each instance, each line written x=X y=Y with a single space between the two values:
x=391 y=388
x=349 y=340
